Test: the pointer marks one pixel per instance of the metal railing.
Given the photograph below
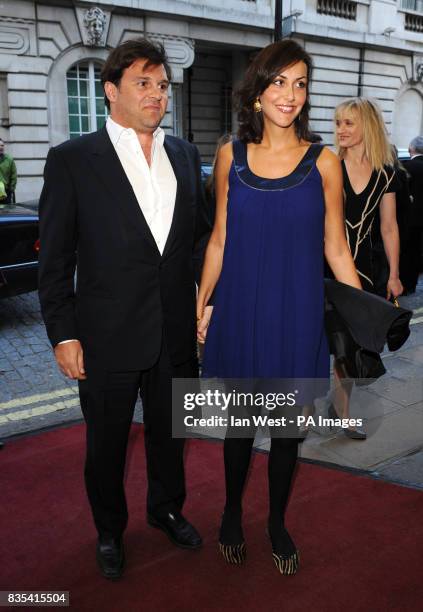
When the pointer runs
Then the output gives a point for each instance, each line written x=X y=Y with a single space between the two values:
x=338 y=8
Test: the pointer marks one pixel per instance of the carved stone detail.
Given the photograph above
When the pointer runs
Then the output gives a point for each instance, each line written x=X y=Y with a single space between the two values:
x=94 y=25
x=419 y=71
x=17 y=36
x=180 y=50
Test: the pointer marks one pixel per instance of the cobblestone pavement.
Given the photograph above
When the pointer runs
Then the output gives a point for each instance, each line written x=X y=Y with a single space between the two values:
x=33 y=393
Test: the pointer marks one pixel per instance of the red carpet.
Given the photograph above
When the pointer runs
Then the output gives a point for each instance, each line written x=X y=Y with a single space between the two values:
x=361 y=540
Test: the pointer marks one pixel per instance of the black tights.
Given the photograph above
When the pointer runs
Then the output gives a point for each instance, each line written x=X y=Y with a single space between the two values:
x=281 y=465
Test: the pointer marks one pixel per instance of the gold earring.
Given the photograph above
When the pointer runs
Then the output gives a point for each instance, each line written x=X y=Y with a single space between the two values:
x=257 y=106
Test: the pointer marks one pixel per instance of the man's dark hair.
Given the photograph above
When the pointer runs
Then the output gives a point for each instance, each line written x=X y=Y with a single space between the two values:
x=129 y=52
x=266 y=65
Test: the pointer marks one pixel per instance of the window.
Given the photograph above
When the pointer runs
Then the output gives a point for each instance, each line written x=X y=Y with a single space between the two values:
x=176 y=93
x=4 y=105
x=86 y=108
x=412 y=5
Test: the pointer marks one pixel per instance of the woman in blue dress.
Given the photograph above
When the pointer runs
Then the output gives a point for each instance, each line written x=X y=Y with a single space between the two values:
x=278 y=211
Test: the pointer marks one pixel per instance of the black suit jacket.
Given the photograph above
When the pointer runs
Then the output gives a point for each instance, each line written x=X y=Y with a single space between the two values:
x=414 y=168
x=127 y=294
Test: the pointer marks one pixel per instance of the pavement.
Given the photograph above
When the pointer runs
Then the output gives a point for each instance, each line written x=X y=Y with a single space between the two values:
x=35 y=396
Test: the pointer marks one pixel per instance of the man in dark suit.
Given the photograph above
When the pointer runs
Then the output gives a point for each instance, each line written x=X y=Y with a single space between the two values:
x=124 y=206
x=413 y=249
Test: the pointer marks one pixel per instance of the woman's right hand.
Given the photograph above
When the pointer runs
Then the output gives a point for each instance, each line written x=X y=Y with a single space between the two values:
x=214 y=253
x=203 y=320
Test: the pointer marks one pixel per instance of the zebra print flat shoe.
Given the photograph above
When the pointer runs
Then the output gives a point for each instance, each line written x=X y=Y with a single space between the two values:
x=231 y=538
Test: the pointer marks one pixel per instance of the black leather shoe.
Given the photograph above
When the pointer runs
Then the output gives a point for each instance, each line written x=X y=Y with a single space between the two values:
x=177 y=529
x=110 y=557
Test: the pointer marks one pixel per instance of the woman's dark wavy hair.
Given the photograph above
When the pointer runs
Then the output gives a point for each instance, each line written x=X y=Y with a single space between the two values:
x=266 y=65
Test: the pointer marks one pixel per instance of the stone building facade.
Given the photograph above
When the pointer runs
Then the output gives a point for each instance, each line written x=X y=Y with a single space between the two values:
x=372 y=48
x=51 y=52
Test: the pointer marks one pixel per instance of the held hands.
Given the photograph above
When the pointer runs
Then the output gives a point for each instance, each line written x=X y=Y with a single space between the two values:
x=394 y=288
x=203 y=320
x=69 y=357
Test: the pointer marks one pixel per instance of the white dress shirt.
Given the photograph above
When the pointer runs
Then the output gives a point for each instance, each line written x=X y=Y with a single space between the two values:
x=155 y=185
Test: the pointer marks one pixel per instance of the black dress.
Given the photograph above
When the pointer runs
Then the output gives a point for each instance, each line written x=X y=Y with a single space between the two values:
x=360 y=211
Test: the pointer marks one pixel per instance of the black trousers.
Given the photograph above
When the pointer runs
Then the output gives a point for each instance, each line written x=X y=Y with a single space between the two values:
x=107 y=401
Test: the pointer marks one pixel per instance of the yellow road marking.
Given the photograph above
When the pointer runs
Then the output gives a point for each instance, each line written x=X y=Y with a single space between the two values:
x=34 y=399
x=39 y=410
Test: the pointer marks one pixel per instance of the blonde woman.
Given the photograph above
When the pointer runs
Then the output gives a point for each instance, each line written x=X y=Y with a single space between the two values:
x=369 y=186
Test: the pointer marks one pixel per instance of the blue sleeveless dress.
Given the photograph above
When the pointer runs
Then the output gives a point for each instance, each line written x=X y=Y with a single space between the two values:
x=268 y=316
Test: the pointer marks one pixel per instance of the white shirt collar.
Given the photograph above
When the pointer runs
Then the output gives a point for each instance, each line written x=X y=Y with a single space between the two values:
x=116 y=131
x=416 y=155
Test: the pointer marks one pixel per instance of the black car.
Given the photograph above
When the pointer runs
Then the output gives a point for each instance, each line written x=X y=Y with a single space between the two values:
x=19 y=246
